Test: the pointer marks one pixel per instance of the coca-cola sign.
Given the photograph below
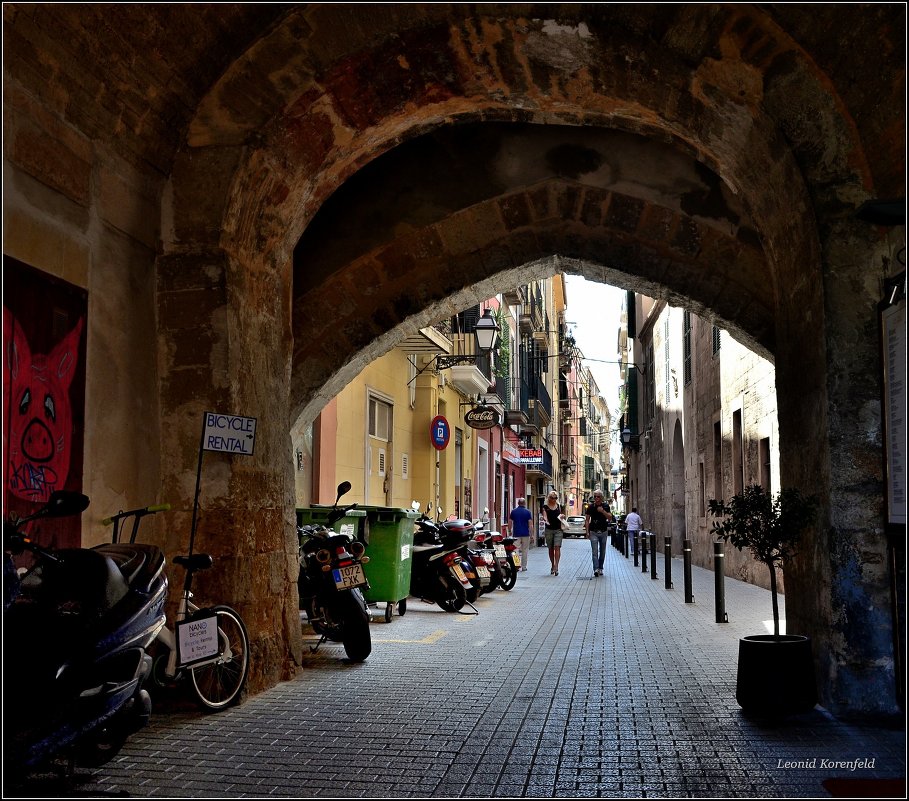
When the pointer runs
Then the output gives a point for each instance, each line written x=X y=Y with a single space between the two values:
x=482 y=417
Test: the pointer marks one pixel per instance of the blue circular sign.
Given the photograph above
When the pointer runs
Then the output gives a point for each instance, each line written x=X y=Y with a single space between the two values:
x=439 y=432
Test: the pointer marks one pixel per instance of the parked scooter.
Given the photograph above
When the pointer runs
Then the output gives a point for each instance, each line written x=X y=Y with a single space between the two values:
x=441 y=572
x=330 y=582
x=511 y=563
x=507 y=559
x=484 y=558
x=76 y=628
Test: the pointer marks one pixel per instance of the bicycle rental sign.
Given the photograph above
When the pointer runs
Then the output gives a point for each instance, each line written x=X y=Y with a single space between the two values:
x=221 y=433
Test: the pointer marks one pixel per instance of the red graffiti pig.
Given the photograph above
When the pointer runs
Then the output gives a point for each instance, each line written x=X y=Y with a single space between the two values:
x=38 y=420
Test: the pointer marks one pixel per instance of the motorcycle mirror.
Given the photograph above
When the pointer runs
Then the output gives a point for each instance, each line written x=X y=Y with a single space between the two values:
x=62 y=503
x=343 y=489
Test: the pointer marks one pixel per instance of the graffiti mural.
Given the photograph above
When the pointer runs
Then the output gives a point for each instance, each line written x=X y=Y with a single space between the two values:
x=43 y=392
x=38 y=427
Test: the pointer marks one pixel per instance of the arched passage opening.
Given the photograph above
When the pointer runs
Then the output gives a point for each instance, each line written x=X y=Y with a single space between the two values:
x=678 y=488
x=283 y=334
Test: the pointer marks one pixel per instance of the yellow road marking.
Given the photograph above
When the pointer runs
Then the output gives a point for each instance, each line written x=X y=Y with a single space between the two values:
x=430 y=639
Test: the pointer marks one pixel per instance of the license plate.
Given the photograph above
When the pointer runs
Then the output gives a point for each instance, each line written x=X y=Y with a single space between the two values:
x=456 y=569
x=501 y=553
x=349 y=576
x=516 y=555
x=482 y=572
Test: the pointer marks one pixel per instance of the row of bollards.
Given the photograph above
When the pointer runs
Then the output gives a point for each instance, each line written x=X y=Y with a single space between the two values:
x=637 y=545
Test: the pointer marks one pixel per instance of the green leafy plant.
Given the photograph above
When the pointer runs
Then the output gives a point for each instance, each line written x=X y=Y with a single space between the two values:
x=769 y=526
x=503 y=361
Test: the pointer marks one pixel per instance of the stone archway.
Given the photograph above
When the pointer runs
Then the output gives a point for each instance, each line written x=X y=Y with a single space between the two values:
x=677 y=493
x=241 y=201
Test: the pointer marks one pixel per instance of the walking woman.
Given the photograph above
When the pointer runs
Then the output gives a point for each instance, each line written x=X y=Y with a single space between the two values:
x=553 y=533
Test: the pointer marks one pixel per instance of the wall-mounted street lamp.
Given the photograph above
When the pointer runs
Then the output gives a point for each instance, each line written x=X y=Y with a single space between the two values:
x=630 y=441
x=486 y=333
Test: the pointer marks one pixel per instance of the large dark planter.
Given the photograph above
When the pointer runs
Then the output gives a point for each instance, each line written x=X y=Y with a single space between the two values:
x=775 y=675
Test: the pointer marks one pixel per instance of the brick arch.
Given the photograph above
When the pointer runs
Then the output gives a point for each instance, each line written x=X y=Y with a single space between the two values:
x=722 y=84
x=436 y=70
x=361 y=311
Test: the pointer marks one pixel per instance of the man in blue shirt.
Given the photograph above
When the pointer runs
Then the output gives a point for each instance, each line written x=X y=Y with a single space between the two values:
x=520 y=518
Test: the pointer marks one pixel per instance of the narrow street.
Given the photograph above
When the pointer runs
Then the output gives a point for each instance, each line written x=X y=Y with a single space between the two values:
x=567 y=686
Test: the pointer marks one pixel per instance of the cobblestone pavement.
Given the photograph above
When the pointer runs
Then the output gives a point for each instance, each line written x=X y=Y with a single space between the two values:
x=567 y=686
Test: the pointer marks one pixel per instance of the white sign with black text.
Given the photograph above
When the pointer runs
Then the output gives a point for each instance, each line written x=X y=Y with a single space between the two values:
x=226 y=433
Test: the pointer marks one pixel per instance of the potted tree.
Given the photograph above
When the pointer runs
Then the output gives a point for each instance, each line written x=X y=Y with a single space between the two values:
x=775 y=671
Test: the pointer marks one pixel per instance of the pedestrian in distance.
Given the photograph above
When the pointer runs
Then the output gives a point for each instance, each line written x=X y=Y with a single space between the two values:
x=597 y=520
x=552 y=509
x=520 y=518
x=633 y=525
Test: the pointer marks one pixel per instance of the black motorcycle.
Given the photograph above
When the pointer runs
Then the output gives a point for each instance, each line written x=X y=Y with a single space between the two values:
x=331 y=575
x=76 y=628
x=442 y=571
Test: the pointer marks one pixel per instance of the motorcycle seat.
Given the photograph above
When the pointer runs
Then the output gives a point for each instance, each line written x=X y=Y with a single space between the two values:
x=84 y=582
x=140 y=564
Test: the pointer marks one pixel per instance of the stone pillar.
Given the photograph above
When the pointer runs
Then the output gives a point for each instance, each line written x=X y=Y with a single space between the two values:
x=830 y=433
x=224 y=346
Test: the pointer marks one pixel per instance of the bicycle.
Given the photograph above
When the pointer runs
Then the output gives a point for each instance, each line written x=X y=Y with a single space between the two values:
x=218 y=667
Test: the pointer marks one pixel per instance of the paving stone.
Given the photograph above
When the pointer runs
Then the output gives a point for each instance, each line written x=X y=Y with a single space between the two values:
x=563 y=687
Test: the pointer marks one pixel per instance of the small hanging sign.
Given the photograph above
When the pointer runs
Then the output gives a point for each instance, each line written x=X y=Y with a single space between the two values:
x=197 y=639
x=482 y=417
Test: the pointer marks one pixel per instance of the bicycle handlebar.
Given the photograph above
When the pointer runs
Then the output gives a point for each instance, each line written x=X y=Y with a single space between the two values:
x=145 y=510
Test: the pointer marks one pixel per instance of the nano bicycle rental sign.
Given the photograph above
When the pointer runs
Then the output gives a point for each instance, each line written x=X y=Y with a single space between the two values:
x=197 y=640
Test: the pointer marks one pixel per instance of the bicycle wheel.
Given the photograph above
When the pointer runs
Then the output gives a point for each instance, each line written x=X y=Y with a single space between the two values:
x=218 y=684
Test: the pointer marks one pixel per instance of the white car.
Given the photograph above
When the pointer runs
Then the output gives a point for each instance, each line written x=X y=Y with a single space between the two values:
x=574 y=526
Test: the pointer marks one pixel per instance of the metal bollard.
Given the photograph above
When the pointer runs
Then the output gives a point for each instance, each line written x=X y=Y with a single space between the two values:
x=667 y=562
x=643 y=538
x=686 y=560
x=653 y=573
x=634 y=546
x=719 y=558
x=624 y=536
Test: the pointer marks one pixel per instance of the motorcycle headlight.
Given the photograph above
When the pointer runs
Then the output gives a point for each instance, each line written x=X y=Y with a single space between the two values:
x=323 y=556
x=357 y=549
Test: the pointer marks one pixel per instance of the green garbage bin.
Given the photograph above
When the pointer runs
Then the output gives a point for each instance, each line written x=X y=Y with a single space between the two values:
x=318 y=516
x=388 y=535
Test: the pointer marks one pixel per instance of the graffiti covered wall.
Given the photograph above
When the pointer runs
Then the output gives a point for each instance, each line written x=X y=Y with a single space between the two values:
x=44 y=320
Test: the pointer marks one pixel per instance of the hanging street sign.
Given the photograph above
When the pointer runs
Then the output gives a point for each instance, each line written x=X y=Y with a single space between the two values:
x=482 y=417
x=439 y=432
x=227 y=433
